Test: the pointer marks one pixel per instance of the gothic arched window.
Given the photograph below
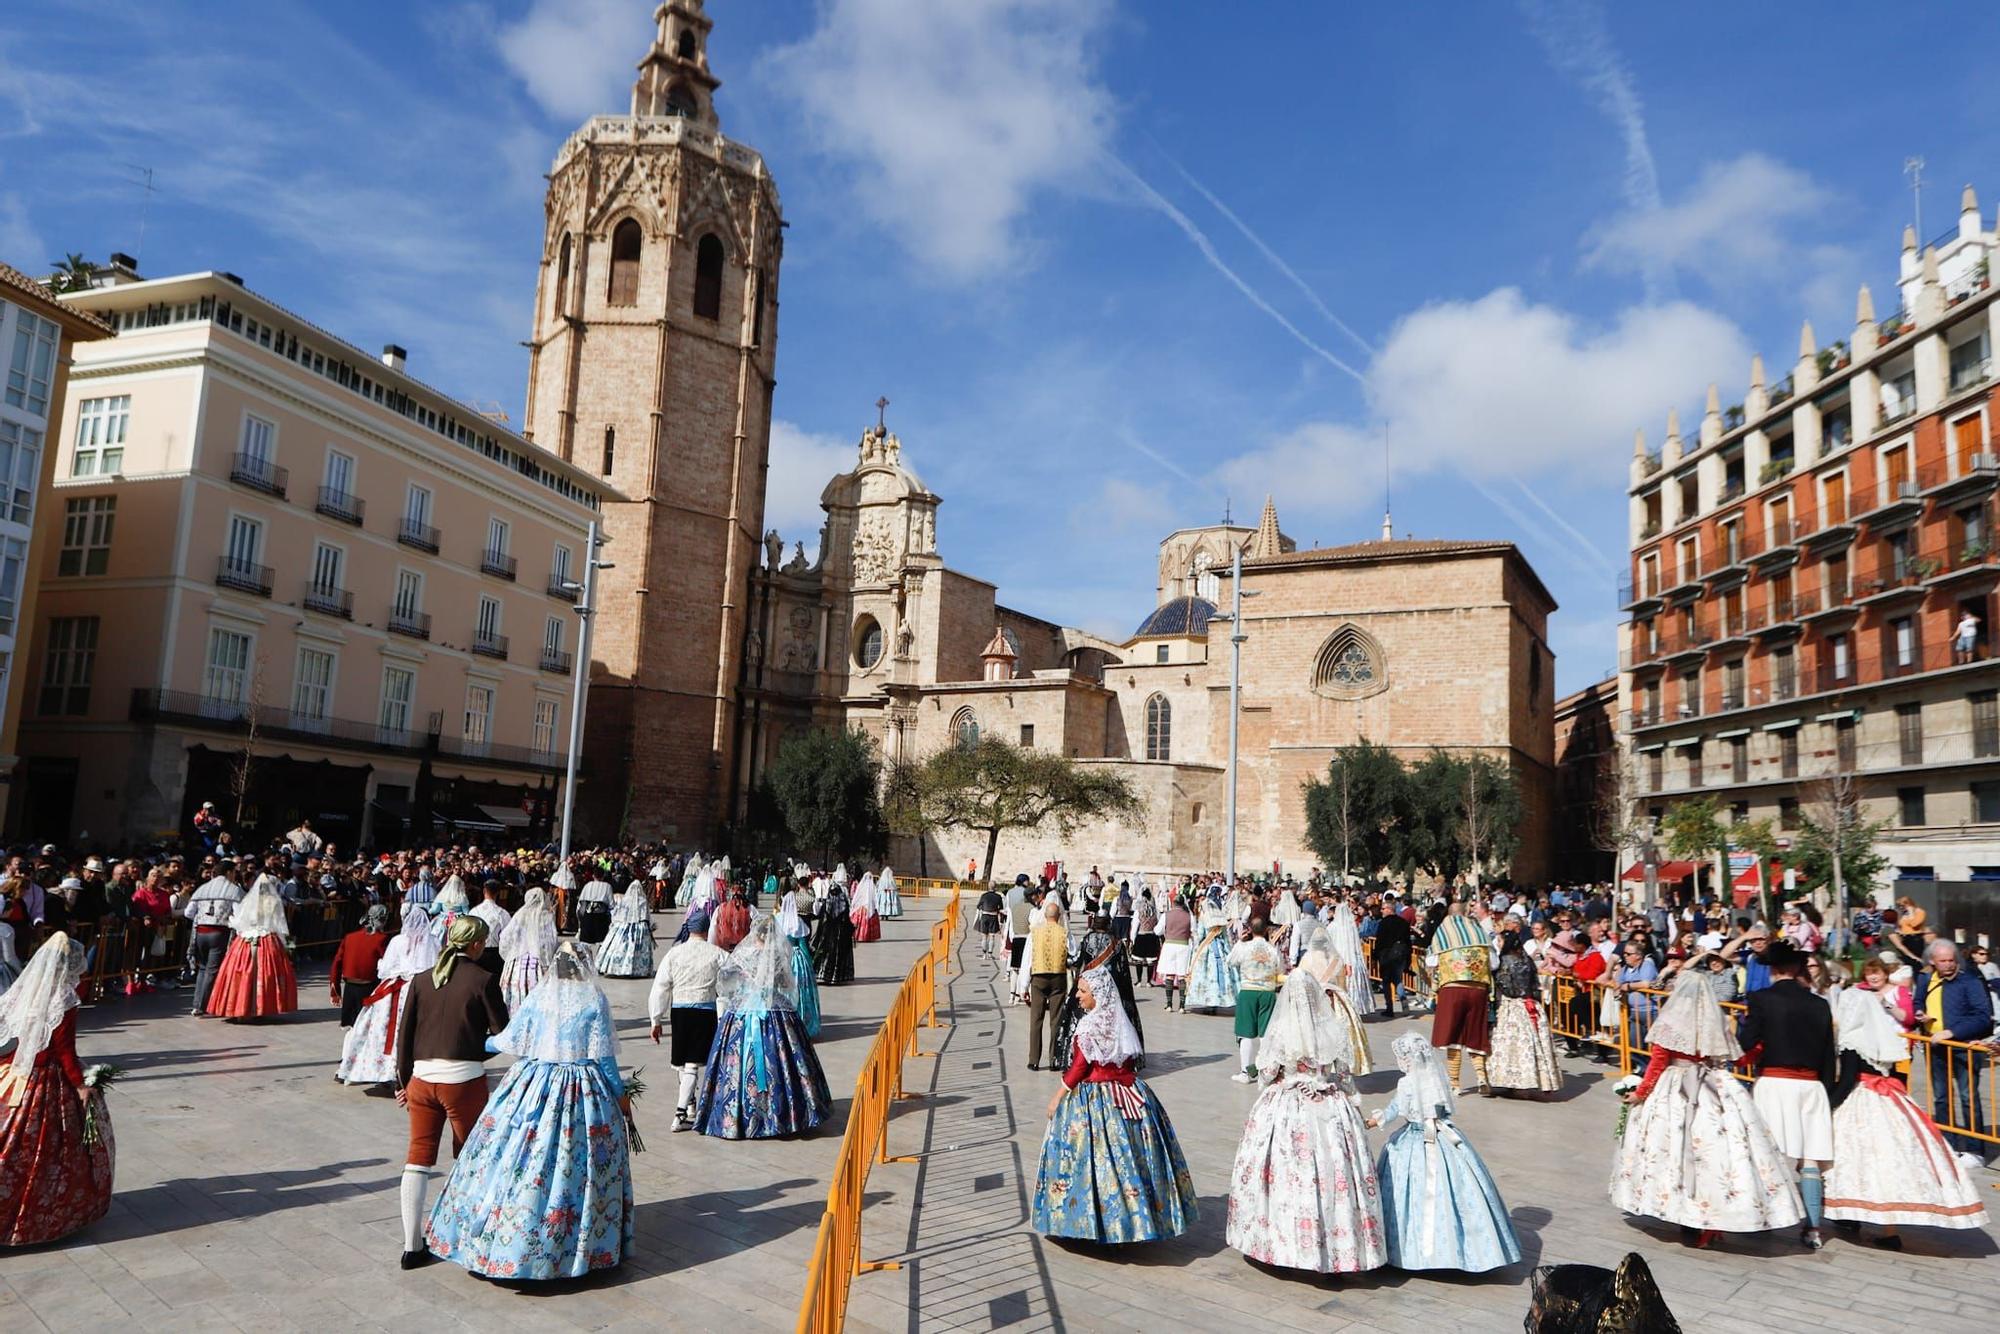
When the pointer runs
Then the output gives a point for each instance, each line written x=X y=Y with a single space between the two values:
x=625 y=246
x=1207 y=583
x=965 y=728
x=562 y=279
x=1159 y=728
x=680 y=102
x=1349 y=665
x=685 y=47
x=708 y=277
x=757 y=313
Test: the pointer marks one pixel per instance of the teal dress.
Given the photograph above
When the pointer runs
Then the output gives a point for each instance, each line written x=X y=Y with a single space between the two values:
x=1440 y=1206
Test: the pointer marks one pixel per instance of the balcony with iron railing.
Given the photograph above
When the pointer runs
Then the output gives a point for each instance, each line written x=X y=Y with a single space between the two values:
x=344 y=506
x=243 y=576
x=259 y=474
x=404 y=621
x=557 y=660
x=329 y=600
x=422 y=536
x=488 y=644
x=498 y=563
x=201 y=712
x=562 y=589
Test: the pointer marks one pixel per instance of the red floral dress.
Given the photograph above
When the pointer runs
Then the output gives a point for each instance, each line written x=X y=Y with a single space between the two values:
x=51 y=1182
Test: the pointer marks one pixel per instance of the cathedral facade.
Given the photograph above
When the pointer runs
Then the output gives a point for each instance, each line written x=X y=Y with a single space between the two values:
x=652 y=363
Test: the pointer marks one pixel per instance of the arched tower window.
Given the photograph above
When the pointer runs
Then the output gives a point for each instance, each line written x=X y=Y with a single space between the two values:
x=626 y=243
x=965 y=728
x=708 y=277
x=1207 y=583
x=562 y=278
x=757 y=314
x=610 y=448
x=1159 y=728
x=680 y=102
x=685 y=47
x=1349 y=665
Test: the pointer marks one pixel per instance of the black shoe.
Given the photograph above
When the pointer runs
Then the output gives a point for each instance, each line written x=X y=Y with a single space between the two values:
x=416 y=1259
x=1033 y=1066
x=1810 y=1239
x=682 y=1122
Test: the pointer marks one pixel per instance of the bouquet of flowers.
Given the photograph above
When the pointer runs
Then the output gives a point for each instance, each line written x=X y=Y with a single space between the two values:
x=1621 y=1088
x=634 y=1086
x=97 y=1078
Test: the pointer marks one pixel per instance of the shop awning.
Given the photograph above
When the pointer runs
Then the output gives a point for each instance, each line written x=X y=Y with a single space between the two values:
x=1748 y=876
x=1669 y=872
x=507 y=817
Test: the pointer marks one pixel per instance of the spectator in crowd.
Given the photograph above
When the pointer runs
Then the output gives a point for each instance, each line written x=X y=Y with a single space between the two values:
x=1952 y=1006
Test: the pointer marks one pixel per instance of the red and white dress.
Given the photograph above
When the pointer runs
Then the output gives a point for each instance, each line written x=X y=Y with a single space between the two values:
x=51 y=1182
x=256 y=979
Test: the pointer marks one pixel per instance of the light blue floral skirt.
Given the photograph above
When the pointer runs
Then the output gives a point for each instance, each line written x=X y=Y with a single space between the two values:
x=1441 y=1209
x=888 y=902
x=543 y=1187
x=1212 y=983
x=1104 y=1178
x=763 y=1079
x=627 y=951
x=802 y=973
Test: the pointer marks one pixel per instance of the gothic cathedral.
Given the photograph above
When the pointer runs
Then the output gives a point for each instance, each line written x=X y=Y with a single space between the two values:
x=655 y=339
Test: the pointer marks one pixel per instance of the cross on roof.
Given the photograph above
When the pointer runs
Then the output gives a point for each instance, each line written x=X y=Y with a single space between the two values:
x=881 y=414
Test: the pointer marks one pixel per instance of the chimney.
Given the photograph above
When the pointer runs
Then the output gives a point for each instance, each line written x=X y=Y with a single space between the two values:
x=394 y=357
x=119 y=270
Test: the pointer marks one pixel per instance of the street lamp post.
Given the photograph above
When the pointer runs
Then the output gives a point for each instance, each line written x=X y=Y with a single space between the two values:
x=580 y=677
x=1236 y=641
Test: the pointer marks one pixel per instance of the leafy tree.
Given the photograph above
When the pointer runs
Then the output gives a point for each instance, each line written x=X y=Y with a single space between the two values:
x=1426 y=835
x=1351 y=816
x=994 y=787
x=904 y=810
x=1695 y=831
x=1489 y=812
x=825 y=781
x=73 y=273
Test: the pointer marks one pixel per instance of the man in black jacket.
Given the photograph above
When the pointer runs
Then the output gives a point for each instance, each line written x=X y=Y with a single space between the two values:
x=1391 y=952
x=1788 y=1031
x=448 y=1013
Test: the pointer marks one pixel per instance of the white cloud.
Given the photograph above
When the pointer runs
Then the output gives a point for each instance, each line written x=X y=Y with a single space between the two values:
x=802 y=463
x=955 y=117
x=1499 y=388
x=576 y=56
x=20 y=244
x=1730 y=227
x=1121 y=507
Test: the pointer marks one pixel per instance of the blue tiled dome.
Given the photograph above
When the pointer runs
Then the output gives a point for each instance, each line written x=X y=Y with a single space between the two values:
x=1182 y=616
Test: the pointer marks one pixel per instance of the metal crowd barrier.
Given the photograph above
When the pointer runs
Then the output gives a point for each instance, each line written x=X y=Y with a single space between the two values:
x=836 y=1257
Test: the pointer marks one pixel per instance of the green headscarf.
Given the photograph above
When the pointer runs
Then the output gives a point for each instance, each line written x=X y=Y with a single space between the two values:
x=464 y=932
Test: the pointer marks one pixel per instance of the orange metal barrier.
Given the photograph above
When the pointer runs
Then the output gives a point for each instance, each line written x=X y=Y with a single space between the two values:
x=836 y=1255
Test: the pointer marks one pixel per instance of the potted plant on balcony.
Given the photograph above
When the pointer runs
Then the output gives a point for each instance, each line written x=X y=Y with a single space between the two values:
x=1732 y=416
x=1650 y=529
x=1924 y=567
x=1975 y=551
x=1773 y=469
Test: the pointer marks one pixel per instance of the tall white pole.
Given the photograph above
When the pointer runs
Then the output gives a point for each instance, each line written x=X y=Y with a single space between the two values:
x=579 y=683
x=1236 y=638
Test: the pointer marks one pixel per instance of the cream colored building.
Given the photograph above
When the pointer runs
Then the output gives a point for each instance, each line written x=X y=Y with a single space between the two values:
x=38 y=336
x=269 y=542
x=1410 y=644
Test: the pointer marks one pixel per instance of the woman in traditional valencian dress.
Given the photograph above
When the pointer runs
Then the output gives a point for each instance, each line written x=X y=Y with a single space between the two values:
x=368 y=1053
x=56 y=1149
x=1890 y=1167
x=763 y=1079
x=628 y=950
x=833 y=935
x=543 y=1187
x=888 y=898
x=1304 y=1193
x=794 y=929
x=526 y=946
x=1111 y=1169
x=1354 y=972
x=1694 y=1150
x=1439 y=1202
x=1212 y=983
x=449 y=903
x=256 y=977
x=1524 y=1046
x=861 y=912
x=1321 y=958
x=684 y=896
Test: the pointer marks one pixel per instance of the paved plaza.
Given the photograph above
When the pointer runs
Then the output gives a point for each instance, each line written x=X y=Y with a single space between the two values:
x=256 y=1193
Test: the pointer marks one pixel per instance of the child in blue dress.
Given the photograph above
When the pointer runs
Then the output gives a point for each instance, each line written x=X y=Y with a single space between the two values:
x=1439 y=1202
x=543 y=1187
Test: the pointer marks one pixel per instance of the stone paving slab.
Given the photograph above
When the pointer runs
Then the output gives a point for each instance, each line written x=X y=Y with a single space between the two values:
x=254 y=1192
x=957 y=1218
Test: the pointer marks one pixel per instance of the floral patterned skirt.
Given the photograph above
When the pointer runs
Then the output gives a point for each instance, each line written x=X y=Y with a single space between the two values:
x=519 y=977
x=1696 y=1153
x=368 y=1053
x=889 y=902
x=808 y=985
x=1108 y=1179
x=51 y=1182
x=1524 y=1050
x=867 y=926
x=543 y=1187
x=1304 y=1193
x=627 y=951
x=1212 y=984
x=1891 y=1166
x=256 y=979
x=763 y=1080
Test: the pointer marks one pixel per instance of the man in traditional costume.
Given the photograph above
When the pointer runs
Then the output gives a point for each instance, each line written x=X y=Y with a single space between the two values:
x=1461 y=958
x=683 y=999
x=1787 y=1031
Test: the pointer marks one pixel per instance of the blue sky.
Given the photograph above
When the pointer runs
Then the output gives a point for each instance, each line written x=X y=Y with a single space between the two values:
x=1111 y=262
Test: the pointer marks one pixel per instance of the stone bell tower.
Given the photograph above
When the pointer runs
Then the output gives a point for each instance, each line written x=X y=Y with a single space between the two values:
x=655 y=339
